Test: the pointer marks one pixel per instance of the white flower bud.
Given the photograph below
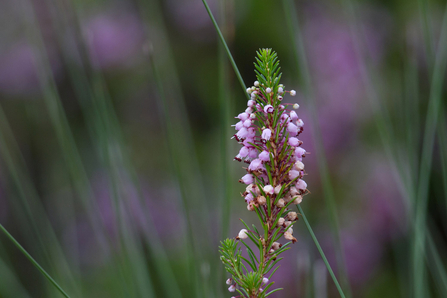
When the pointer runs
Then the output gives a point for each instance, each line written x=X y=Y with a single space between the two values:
x=299 y=166
x=292 y=92
x=289 y=236
x=249 y=188
x=276 y=246
x=256 y=84
x=300 y=123
x=280 y=90
x=232 y=288
x=252 y=116
x=250 y=207
x=289 y=230
x=268 y=90
x=280 y=203
x=278 y=189
x=294 y=191
x=265 y=280
x=249 y=90
x=268 y=189
x=253 y=95
x=295 y=106
x=243 y=234
x=287 y=223
x=229 y=281
x=281 y=221
x=248 y=110
x=279 y=97
x=262 y=200
x=297 y=200
x=292 y=216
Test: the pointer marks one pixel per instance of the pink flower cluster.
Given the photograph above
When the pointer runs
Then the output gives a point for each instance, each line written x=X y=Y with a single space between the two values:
x=268 y=131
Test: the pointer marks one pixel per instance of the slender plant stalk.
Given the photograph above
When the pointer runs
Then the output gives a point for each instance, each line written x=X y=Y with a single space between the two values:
x=301 y=60
x=433 y=111
x=224 y=43
x=320 y=250
x=34 y=262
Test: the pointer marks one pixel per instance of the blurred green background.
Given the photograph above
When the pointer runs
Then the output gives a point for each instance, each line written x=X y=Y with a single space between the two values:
x=116 y=164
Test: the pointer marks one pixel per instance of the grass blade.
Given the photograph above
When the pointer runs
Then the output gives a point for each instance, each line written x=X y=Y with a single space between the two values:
x=29 y=257
x=320 y=250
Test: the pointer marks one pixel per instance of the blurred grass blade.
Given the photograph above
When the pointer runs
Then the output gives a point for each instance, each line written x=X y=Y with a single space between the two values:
x=433 y=112
x=29 y=257
x=177 y=171
x=224 y=91
x=224 y=43
x=320 y=250
x=328 y=190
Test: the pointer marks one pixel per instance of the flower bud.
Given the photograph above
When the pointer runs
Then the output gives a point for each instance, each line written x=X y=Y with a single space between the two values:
x=279 y=97
x=262 y=200
x=292 y=92
x=232 y=288
x=268 y=109
x=247 y=179
x=268 y=90
x=251 y=103
x=295 y=106
x=266 y=134
x=292 y=216
x=276 y=245
x=256 y=84
x=280 y=203
x=248 y=198
x=280 y=90
x=293 y=142
x=242 y=234
x=289 y=236
x=293 y=116
x=265 y=280
x=297 y=200
x=293 y=174
x=229 y=281
x=301 y=185
x=255 y=165
x=299 y=166
x=248 y=90
x=264 y=156
x=289 y=230
x=300 y=123
x=293 y=191
x=281 y=221
x=250 y=206
x=268 y=189
x=287 y=223
x=252 y=116
x=278 y=188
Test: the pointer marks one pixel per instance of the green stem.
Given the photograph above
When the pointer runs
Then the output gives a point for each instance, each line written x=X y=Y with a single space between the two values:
x=33 y=261
x=222 y=39
x=323 y=256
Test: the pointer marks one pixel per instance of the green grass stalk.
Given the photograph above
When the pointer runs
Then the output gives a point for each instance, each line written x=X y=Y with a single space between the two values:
x=34 y=262
x=301 y=60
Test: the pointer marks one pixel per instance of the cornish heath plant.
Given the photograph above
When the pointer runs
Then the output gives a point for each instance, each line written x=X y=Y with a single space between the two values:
x=268 y=131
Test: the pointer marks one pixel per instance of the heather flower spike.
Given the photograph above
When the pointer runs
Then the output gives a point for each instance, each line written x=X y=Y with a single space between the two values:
x=268 y=134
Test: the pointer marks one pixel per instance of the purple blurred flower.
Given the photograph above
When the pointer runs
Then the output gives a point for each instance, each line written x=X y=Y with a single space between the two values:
x=114 y=39
x=335 y=65
x=18 y=73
